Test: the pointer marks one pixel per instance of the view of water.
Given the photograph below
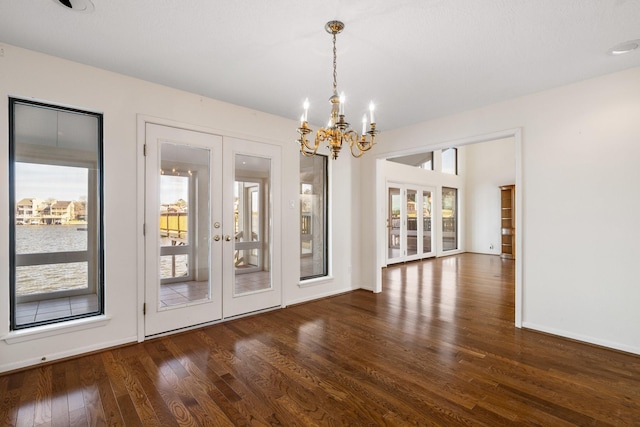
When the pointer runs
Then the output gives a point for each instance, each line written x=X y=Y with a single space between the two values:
x=33 y=239
x=39 y=239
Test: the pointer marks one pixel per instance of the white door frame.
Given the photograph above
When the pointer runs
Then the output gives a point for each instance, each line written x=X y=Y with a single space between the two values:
x=142 y=120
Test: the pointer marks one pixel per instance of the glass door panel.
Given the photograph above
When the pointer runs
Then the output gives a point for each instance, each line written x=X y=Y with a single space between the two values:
x=426 y=221
x=184 y=183
x=248 y=255
x=411 y=220
x=183 y=268
x=409 y=233
x=394 y=221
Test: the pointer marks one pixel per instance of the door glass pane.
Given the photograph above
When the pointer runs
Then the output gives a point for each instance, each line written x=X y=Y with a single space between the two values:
x=449 y=218
x=252 y=224
x=393 y=223
x=412 y=222
x=426 y=222
x=184 y=224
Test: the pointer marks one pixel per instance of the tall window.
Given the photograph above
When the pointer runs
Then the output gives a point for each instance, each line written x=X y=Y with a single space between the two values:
x=450 y=161
x=313 y=217
x=55 y=173
x=449 y=219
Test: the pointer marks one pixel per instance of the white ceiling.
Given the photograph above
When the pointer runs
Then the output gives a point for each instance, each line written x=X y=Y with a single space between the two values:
x=416 y=59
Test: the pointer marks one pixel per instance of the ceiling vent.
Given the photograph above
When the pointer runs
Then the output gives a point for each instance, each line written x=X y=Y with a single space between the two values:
x=76 y=5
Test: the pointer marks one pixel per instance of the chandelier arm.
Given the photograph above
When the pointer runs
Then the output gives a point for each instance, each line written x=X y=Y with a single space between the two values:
x=352 y=138
x=305 y=148
x=308 y=147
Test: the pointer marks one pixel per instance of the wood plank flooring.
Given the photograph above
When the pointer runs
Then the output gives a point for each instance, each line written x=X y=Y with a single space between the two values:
x=437 y=347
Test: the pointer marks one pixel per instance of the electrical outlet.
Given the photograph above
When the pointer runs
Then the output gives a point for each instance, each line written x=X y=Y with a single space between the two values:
x=1 y=51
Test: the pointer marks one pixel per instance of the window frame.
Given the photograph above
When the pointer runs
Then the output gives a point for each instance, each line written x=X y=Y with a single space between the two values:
x=98 y=249
x=325 y=220
x=455 y=161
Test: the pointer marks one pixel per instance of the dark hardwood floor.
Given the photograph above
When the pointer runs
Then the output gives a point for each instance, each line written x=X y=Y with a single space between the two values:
x=437 y=347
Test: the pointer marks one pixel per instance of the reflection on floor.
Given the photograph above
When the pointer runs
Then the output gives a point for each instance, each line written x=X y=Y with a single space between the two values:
x=39 y=311
x=185 y=292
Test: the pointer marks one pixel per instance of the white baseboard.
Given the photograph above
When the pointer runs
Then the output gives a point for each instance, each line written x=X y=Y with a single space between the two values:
x=583 y=338
x=318 y=296
x=77 y=351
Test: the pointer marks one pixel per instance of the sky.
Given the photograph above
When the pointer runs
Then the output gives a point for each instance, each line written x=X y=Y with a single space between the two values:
x=36 y=181
x=50 y=182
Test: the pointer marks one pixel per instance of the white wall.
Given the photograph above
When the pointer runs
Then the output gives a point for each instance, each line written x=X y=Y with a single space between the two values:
x=121 y=99
x=488 y=166
x=580 y=175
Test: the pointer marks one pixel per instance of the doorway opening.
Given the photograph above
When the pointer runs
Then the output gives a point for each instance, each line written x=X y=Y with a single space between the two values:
x=466 y=223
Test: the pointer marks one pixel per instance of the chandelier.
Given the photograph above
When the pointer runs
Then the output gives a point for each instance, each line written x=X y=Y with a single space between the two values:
x=337 y=131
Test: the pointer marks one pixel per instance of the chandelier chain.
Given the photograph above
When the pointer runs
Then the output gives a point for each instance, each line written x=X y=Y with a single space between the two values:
x=335 y=62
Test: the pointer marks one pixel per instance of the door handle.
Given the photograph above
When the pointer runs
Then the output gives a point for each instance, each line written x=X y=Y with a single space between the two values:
x=216 y=237
x=227 y=238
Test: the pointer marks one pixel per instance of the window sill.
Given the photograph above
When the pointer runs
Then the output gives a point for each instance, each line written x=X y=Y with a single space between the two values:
x=45 y=331
x=314 y=282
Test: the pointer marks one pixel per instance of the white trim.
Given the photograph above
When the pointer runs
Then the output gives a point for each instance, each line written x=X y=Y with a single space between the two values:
x=380 y=200
x=320 y=296
x=315 y=281
x=582 y=338
x=517 y=135
x=54 y=329
x=77 y=351
x=140 y=206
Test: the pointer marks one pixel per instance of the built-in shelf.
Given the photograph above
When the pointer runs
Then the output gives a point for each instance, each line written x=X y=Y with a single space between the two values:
x=508 y=215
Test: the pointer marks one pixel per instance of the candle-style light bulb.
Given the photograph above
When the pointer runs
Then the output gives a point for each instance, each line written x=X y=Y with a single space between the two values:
x=341 y=110
x=306 y=108
x=371 y=108
x=301 y=119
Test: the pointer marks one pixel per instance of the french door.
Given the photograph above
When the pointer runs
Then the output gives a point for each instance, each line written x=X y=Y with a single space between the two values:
x=252 y=279
x=210 y=248
x=409 y=223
